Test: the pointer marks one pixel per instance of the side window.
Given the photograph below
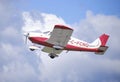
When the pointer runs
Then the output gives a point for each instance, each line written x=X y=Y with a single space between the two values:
x=47 y=32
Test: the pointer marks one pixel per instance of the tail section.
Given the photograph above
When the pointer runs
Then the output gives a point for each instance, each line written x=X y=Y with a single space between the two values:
x=103 y=40
x=102 y=50
x=100 y=44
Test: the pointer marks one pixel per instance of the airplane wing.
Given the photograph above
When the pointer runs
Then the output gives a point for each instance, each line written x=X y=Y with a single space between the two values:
x=50 y=50
x=59 y=38
x=60 y=35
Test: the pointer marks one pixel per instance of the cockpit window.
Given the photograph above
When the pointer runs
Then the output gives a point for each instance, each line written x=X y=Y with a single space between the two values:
x=38 y=31
x=47 y=32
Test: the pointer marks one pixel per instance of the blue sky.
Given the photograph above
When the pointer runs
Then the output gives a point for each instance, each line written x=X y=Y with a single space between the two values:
x=73 y=11
x=88 y=18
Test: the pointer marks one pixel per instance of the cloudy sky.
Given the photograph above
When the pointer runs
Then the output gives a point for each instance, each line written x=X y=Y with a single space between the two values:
x=88 y=18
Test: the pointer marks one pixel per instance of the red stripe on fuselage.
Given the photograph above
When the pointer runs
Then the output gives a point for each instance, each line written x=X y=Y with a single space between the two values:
x=42 y=41
x=74 y=48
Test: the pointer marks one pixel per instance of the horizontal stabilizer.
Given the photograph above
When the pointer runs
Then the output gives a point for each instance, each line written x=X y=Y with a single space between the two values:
x=102 y=50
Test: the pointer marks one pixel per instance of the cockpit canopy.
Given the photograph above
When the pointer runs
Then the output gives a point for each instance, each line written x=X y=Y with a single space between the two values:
x=47 y=32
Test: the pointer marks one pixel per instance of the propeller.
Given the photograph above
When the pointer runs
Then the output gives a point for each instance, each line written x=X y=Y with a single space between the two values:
x=26 y=37
x=26 y=34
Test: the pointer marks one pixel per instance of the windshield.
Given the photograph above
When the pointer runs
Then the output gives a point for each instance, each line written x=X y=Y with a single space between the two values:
x=47 y=32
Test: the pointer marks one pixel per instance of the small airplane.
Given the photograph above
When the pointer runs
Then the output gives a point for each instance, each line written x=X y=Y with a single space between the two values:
x=60 y=39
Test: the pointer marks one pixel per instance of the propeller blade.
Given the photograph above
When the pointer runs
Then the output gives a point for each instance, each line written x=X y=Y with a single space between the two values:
x=26 y=37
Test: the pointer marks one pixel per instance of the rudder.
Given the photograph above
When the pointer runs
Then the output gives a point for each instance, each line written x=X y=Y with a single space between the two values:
x=103 y=38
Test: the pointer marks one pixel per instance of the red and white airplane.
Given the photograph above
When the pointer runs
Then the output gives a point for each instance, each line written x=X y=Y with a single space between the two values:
x=60 y=39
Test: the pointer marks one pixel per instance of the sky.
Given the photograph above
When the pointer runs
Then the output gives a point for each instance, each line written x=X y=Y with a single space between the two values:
x=88 y=18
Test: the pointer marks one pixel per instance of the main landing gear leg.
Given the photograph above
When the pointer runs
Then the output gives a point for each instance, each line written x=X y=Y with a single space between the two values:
x=53 y=55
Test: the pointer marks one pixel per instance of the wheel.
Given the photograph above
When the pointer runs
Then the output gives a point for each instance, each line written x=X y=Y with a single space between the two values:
x=52 y=55
x=32 y=49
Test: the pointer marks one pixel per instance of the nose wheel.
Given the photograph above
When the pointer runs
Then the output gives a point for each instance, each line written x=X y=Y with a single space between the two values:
x=32 y=49
x=53 y=55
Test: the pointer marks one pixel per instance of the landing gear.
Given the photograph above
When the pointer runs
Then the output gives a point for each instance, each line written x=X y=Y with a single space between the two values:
x=52 y=55
x=32 y=49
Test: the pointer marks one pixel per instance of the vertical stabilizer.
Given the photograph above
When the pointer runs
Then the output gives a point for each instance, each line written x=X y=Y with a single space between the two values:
x=103 y=39
x=100 y=44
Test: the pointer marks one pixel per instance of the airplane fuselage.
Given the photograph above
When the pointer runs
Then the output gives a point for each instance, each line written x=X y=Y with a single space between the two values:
x=73 y=44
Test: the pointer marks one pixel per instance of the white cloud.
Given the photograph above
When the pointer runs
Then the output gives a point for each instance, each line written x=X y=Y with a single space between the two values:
x=14 y=65
x=99 y=23
x=103 y=23
x=10 y=32
x=77 y=66
x=17 y=71
x=43 y=22
x=11 y=52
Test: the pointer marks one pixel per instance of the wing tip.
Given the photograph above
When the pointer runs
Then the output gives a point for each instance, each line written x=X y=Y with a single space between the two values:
x=63 y=27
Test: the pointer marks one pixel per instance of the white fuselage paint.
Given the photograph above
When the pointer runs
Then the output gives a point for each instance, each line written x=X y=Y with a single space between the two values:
x=73 y=41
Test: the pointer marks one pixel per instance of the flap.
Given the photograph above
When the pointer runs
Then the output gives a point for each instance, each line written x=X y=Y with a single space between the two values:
x=50 y=50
